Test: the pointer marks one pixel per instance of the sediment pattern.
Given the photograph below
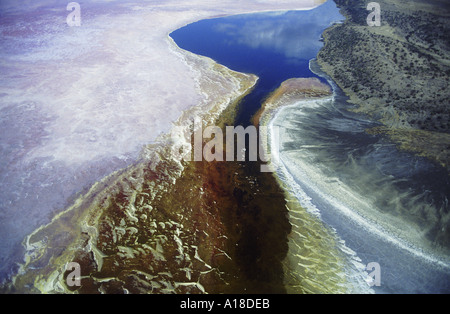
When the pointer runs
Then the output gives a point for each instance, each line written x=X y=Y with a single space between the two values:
x=317 y=262
x=150 y=228
x=162 y=226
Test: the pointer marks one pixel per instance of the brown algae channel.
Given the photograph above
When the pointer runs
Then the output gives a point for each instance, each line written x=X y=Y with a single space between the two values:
x=203 y=227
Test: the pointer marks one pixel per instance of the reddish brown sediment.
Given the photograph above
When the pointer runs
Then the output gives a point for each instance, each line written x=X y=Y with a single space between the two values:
x=163 y=227
x=150 y=228
x=254 y=213
x=233 y=226
x=142 y=233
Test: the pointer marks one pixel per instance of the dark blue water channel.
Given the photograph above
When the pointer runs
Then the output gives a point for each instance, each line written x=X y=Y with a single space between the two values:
x=274 y=46
x=280 y=45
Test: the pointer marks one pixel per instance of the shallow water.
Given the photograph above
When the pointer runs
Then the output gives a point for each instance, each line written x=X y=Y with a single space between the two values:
x=389 y=207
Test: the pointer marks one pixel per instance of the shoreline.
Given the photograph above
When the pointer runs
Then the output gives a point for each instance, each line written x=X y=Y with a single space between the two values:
x=88 y=210
x=423 y=255
x=114 y=121
x=212 y=114
x=337 y=257
x=97 y=192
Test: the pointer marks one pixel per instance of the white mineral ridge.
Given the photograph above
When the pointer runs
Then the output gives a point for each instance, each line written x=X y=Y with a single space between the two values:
x=77 y=103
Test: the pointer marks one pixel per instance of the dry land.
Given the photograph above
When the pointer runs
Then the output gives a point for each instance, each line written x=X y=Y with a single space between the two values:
x=397 y=73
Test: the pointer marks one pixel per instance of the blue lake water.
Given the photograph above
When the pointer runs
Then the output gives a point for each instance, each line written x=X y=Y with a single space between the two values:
x=398 y=185
x=274 y=46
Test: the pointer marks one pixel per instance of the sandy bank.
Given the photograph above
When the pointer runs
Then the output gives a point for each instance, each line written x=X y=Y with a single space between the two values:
x=290 y=92
x=317 y=260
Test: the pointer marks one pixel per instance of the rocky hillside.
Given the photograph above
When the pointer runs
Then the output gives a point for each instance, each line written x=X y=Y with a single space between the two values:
x=399 y=72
